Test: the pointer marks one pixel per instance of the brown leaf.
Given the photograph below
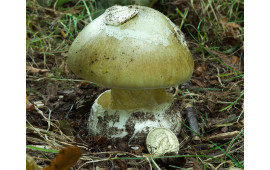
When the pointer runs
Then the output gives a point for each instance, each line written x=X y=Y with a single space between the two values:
x=226 y=59
x=29 y=105
x=230 y=40
x=36 y=70
x=198 y=82
x=63 y=33
x=229 y=34
x=199 y=70
x=235 y=60
x=233 y=33
x=122 y=163
x=84 y=83
x=232 y=25
x=213 y=81
x=65 y=159
x=196 y=166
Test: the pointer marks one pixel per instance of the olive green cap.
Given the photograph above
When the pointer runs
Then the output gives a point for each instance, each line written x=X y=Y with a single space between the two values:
x=131 y=47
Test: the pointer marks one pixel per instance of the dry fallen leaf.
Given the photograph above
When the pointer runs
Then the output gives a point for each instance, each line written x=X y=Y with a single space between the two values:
x=121 y=163
x=226 y=59
x=65 y=159
x=84 y=83
x=235 y=60
x=29 y=105
x=213 y=81
x=63 y=33
x=232 y=33
x=200 y=70
x=198 y=82
x=233 y=25
x=196 y=166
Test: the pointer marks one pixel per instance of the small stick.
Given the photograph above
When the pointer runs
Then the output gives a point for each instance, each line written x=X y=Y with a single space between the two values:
x=192 y=120
x=223 y=136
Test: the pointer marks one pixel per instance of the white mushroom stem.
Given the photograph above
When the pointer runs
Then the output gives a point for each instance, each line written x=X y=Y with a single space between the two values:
x=132 y=113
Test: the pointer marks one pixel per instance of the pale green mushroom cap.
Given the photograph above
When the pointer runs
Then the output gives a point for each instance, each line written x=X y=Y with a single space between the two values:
x=131 y=47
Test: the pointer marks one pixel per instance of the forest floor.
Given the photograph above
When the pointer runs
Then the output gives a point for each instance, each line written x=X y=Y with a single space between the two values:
x=59 y=102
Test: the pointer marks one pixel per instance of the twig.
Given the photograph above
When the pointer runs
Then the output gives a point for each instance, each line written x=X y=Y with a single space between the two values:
x=223 y=136
x=88 y=162
x=193 y=123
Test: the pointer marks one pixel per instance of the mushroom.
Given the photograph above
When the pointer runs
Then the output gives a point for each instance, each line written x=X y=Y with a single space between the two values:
x=137 y=52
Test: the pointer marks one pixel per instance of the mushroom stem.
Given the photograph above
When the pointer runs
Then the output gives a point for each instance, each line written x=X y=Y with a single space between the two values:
x=123 y=99
x=134 y=114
